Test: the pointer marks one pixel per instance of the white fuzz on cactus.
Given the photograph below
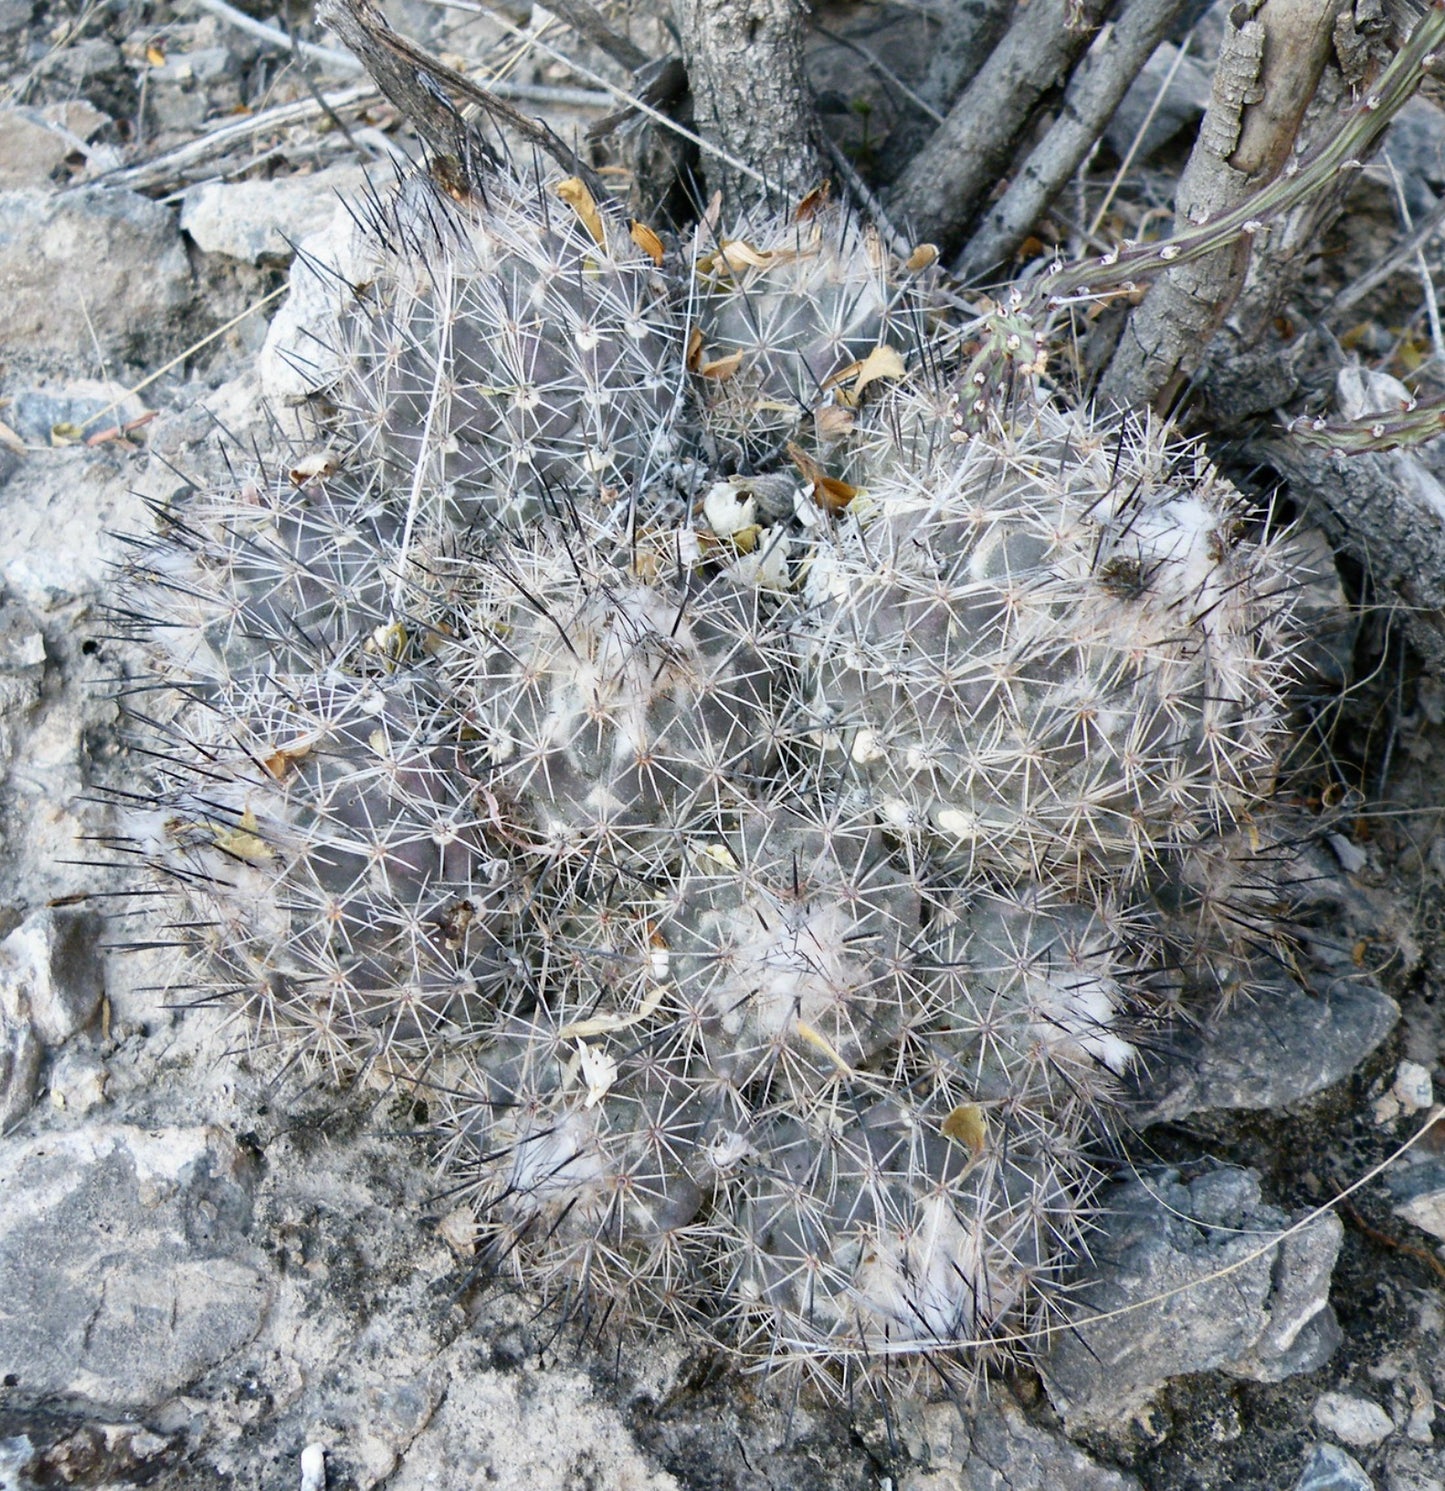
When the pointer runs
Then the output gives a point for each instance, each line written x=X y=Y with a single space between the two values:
x=1057 y=646
x=770 y=891
x=517 y=350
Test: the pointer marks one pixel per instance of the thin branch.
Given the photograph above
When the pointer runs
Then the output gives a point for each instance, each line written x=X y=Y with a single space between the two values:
x=587 y=23
x=1100 y=81
x=942 y=187
x=877 y=66
x=1269 y=67
x=1395 y=260
x=337 y=62
x=422 y=86
x=165 y=170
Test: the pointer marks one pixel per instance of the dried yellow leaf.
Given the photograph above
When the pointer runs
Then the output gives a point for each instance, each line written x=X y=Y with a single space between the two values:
x=921 y=257
x=722 y=368
x=881 y=362
x=966 y=1125
x=694 y=350
x=283 y=758
x=573 y=191
x=831 y=494
x=647 y=241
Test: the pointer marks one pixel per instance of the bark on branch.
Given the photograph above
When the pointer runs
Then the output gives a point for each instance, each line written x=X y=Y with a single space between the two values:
x=1099 y=83
x=750 y=97
x=1269 y=67
x=941 y=190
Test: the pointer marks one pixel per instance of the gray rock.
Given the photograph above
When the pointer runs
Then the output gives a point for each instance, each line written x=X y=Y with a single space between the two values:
x=77 y=1081
x=1278 y=1048
x=1213 y=1289
x=995 y=1449
x=1418 y=1191
x=125 y=1271
x=1411 y=1469
x=509 y=1432
x=260 y=221
x=58 y=522
x=1415 y=146
x=30 y=149
x=1331 y=1469
x=87 y=405
x=22 y=674
x=52 y=974
x=20 y=1056
x=297 y=355
x=1357 y=1421
x=1181 y=107
x=87 y=267
x=17 y=1455
x=82 y=60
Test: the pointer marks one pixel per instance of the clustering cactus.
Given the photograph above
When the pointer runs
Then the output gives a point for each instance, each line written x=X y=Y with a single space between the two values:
x=752 y=771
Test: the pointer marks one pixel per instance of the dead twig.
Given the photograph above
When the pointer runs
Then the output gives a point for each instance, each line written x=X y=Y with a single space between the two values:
x=1100 y=81
x=337 y=62
x=940 y=190
x=587 y=23
x=966 y=35
x=424 y=88
x=1394 y=1244
x=634 y=101
x=1270 y=64
x=166 y=170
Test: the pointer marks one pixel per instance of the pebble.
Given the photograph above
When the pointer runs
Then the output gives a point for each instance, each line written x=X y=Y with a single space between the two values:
x=1331 y=1469
x=1358 y=1421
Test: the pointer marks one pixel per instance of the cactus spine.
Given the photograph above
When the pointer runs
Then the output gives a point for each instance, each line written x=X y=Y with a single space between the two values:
x=732 y=760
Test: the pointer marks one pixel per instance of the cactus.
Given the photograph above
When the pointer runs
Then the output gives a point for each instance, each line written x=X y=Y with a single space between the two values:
x=517 y=350
x=1057 y=647
x=771 y=877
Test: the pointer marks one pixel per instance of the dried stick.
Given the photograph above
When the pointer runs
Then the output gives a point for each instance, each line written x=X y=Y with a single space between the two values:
x=939 y=192
x=587 y=23
x=750 y=96
x=1269 y=67
x=167 y=170
x=1100 y=81
x=338 y=62
x=968 y=31
x=422 y=87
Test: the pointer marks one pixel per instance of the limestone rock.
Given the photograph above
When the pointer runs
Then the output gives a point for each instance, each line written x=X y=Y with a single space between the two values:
x=51 y=973
x=263 y=221
x=1210 y=1288
x=125 y=1269
x=89 y=267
